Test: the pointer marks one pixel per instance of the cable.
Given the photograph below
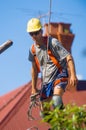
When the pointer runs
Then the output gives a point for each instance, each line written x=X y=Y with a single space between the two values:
x=50 y=3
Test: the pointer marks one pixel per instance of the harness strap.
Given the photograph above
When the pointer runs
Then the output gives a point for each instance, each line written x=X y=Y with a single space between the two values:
x=52 y=57
x=55 y=61
x=35 y=58
x=60 y=80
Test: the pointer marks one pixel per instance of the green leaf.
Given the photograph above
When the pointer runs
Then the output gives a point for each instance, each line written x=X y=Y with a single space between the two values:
x=72 y=117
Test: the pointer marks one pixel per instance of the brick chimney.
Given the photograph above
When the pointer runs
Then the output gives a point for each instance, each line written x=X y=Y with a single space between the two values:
x=62 y=32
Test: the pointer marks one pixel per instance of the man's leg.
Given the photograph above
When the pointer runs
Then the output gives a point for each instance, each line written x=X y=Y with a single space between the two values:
x=44 y=109
x=57 y=101
x=57 y=97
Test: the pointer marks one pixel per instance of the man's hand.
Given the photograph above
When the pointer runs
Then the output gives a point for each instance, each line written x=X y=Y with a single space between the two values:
x=34 y=101
x=72 y=83
x=34 y=91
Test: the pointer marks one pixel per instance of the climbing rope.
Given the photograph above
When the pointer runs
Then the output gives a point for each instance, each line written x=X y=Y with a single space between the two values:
x=34 y=101
x=46 y=58
x=33 y=128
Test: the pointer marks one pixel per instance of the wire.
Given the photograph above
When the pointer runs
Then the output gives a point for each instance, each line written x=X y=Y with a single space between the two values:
x=49 y=24
x=49 y=16
x=46 y=58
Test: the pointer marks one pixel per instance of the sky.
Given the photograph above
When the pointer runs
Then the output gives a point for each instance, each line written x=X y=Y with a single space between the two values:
x=15 y=69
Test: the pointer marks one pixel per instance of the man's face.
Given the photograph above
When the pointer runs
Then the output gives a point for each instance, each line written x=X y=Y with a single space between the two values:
x=36 y=35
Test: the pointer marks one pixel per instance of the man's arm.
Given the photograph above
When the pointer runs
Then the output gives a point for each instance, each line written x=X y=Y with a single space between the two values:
x=34 y=74
x=72 y=73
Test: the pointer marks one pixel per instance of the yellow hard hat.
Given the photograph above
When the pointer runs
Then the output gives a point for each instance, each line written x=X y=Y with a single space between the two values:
x=34 y=25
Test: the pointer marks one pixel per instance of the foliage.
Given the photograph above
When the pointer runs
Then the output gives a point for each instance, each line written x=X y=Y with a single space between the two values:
x=71 y=117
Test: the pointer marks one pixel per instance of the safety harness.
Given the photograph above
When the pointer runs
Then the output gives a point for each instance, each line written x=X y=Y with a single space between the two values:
x=35 y=98
x=52 y=57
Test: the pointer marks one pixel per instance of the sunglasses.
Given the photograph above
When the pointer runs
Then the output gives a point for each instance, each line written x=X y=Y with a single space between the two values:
x=34 y=33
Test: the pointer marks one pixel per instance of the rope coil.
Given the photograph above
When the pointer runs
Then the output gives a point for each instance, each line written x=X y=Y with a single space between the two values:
x=34 y=101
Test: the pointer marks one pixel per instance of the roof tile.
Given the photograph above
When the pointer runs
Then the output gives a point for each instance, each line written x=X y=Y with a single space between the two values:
x=14 y=107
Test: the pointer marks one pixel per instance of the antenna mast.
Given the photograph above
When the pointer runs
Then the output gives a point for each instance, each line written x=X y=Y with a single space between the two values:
x=48 y=37
x=50 y=4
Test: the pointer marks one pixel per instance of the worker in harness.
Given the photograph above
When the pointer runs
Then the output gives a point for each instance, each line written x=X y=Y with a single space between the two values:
x=49 y=57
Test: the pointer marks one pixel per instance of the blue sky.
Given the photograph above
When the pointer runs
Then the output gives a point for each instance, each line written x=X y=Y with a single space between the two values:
x=14 y=65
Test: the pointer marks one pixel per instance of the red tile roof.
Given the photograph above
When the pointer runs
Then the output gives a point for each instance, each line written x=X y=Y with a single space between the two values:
x=14 y=106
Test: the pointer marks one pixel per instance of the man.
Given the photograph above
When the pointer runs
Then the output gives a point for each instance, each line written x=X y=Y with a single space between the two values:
x=54 y=75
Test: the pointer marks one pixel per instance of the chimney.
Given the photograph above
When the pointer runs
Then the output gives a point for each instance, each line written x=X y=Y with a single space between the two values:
x=62 y=32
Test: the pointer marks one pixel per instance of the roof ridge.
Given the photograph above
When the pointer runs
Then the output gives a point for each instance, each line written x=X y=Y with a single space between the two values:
x=12 y=98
